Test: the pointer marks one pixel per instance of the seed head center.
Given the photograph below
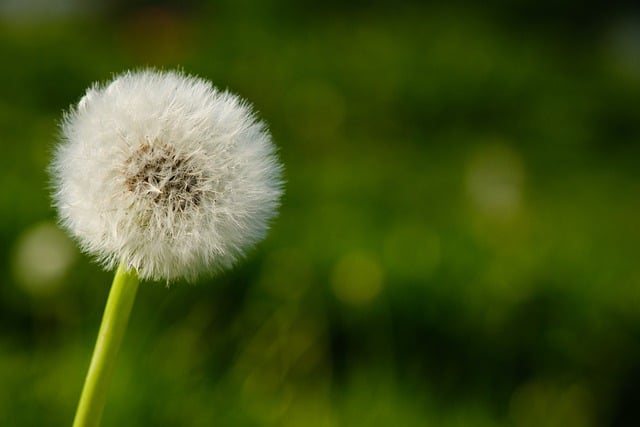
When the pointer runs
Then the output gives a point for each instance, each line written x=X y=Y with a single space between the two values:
x=163 y=177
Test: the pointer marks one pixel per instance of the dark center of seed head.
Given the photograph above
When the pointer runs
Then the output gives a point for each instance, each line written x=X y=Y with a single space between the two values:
x=164 y=177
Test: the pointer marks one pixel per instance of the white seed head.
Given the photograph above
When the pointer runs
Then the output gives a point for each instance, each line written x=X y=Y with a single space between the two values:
x=164 y=172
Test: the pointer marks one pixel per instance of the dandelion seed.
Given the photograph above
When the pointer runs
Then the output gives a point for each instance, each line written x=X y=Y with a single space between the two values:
x=166 y=174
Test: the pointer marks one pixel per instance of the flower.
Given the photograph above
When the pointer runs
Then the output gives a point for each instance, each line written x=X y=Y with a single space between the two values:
x=163 y=172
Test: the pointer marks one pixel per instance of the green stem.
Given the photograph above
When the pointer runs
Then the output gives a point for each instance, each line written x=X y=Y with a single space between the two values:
x=112 y=328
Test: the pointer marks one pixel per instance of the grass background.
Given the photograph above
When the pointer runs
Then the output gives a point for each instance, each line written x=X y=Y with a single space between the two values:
x=458 y=244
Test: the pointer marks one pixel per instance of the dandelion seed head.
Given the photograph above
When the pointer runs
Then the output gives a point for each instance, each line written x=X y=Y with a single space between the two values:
x=166 y=173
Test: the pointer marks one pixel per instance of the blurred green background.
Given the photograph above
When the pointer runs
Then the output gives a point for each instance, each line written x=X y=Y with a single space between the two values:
x=458 y=244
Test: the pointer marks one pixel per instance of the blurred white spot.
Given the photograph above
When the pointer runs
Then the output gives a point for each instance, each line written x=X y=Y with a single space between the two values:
x=494 y=182
x=42 y=256
x=624 y=43
x=357 y=279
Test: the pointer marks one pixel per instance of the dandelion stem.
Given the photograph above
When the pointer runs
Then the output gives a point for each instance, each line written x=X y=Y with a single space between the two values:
x=112 y=329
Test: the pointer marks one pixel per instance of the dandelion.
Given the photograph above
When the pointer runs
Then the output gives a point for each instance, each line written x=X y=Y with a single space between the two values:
x=164 y=173
x=166 y=177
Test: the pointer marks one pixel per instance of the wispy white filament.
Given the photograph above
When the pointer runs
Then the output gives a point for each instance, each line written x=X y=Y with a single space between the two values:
x=165 y=173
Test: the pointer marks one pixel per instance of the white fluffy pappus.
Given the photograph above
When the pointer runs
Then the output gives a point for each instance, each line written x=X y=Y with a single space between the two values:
x=165 y=173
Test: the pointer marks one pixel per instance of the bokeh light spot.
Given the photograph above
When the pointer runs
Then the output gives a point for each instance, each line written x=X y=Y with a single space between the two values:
x=357 y=279
x=494 y=182
x=42 y=256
